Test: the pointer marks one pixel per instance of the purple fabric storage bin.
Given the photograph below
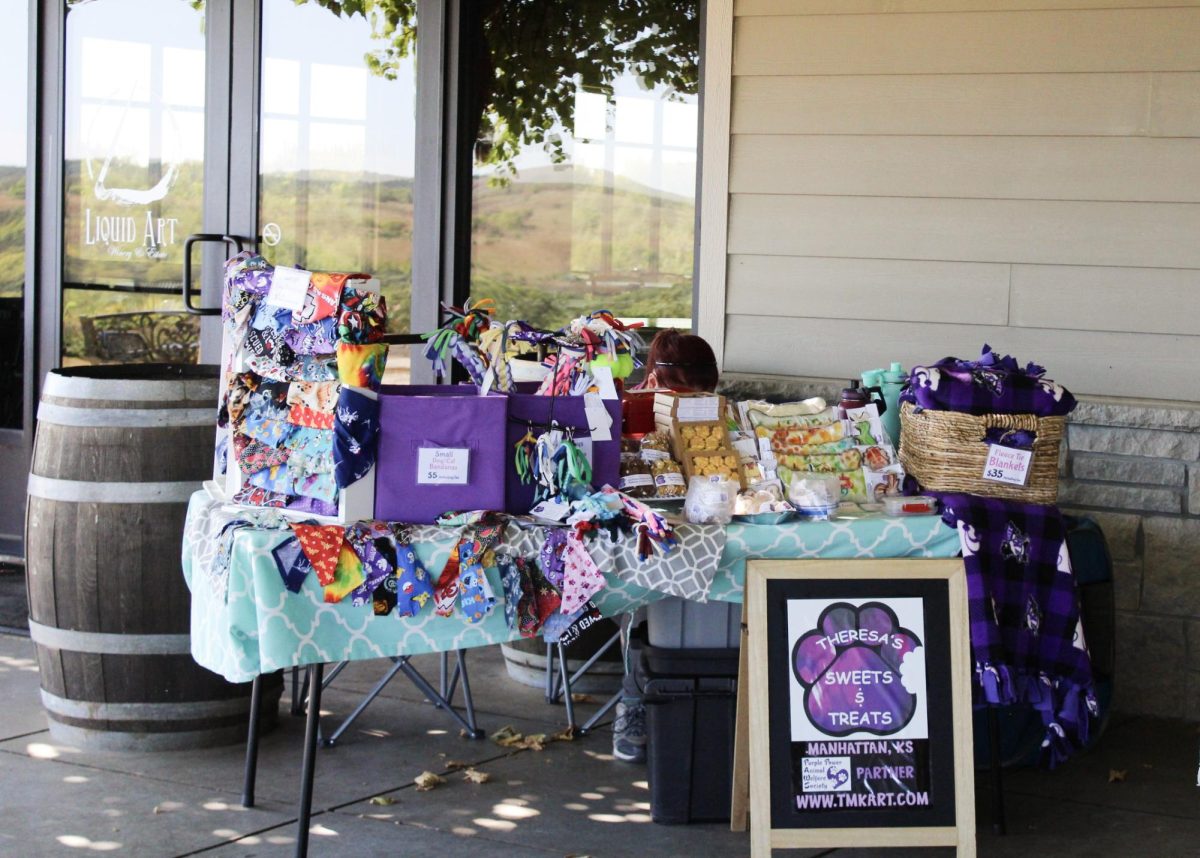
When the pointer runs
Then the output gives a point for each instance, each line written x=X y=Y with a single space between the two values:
x=416 y=416
x=568 y=411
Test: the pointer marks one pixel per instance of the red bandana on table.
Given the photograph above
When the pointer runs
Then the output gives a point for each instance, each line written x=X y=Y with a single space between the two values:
x=321 y=544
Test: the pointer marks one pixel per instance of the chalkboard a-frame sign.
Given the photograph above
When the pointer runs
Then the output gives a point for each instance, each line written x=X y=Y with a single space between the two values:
x=860 y=704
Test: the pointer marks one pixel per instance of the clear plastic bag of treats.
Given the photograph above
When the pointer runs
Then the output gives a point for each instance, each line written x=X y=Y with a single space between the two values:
x=668 y=478
x=710 y=500
x=637 y=481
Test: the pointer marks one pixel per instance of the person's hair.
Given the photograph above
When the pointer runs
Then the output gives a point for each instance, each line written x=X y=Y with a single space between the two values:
x=682 y=362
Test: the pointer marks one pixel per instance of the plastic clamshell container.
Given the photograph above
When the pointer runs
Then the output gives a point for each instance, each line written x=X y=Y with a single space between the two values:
x=914 y=505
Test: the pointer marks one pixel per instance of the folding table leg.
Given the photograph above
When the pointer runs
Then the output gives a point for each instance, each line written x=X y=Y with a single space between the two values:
x=551 y=697
x=366 y=701
x=600 y=713
x=251 y=772
x=308 y=770
x=431 y=694
x=566 y=685
x=299 y=691
x=468 y=703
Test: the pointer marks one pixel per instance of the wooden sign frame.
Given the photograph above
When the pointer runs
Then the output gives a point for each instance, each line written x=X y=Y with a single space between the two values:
x=932 y=591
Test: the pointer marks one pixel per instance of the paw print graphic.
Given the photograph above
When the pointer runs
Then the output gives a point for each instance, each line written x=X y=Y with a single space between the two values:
x=850 y=669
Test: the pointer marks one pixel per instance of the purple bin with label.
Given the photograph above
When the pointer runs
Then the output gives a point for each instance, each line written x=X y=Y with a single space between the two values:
x=443 y=420
x=567 y=411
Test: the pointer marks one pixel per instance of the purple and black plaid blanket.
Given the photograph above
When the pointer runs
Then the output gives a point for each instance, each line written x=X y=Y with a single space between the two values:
x=1026 y=636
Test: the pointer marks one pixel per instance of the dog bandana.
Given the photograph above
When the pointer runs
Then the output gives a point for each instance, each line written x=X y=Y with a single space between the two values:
x=413 y=585
x=551 y=556
x=355 y=436
x=363 y=317
x=510 y=584
x=322 y=299
x=265 y=429
x=347 y=577
x=321 y=544
x=318 y=395
x=292 y=563
x=276 y=479
x=366 y=539
x=319 y=338
x=302 y=415
x=254 y=455
x=319 y=486
x=582 y=578
x=362 y=365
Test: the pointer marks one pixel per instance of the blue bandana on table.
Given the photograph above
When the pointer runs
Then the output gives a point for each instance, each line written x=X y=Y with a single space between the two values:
x=510 y=583
x=414 y=587
x=292 y=562
x=355 y=436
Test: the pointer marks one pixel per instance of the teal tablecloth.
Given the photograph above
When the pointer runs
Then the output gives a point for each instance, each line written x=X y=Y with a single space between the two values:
x=256 y=626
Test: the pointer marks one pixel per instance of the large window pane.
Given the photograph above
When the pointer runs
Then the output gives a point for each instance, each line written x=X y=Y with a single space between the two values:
x=133 y=178
x=337 y=154
x=586 y=198
x=14 y=79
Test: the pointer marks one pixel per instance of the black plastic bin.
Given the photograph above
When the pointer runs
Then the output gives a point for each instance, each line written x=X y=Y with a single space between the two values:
x=691 y=708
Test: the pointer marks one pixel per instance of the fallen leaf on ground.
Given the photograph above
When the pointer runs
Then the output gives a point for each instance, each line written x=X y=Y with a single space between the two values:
x=427 y=781
x=507 y=736
x=1117 y=775
x=582 y=698
x=456 y=764
x=476 y=777
x=382 y=800
x=565 y=735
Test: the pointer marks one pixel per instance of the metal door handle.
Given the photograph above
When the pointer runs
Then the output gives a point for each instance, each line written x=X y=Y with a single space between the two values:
x=232 y=241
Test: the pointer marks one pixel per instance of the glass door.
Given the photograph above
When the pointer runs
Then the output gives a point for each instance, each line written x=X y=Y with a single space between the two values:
x=133 y=179
x=336 y=127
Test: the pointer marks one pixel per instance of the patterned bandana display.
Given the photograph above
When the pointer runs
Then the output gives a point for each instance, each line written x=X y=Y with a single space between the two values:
x=283 y=384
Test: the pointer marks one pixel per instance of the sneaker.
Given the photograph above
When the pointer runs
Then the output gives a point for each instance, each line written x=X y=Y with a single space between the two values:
x=629 y=732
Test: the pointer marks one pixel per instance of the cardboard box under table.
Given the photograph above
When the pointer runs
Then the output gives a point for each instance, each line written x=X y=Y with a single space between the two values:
x=441 y=448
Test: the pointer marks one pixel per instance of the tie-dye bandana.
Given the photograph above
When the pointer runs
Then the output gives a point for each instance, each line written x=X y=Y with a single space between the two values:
x=362 y=365
x=348 y=575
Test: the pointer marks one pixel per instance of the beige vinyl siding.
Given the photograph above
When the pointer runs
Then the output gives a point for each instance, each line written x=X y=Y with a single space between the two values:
x=911 y=178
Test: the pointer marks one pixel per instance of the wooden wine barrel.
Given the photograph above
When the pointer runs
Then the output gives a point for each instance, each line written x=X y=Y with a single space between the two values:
x=118 y=452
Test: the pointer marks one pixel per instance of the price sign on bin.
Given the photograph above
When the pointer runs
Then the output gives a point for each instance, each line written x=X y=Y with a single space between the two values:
x=443 y=466
x=1007 y=465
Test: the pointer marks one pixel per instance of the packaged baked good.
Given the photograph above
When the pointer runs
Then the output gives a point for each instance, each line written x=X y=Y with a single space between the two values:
x=636 y=478
x=668 y=478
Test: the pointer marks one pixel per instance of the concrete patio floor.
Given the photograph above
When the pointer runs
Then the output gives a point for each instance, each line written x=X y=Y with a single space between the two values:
x=572 y=799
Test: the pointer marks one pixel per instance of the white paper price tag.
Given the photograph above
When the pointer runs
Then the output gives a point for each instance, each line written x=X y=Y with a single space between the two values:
x=599 y=420
x=443 y=466
x=1007 y=465
x=289 y=286
x=604 y=382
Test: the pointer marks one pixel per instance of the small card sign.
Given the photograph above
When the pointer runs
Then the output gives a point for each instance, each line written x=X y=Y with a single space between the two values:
x=289 y=286
x=1007 y=465
x=443 y=466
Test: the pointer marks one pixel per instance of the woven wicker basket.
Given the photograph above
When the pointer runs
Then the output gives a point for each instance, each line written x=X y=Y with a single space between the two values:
x=945 y=452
